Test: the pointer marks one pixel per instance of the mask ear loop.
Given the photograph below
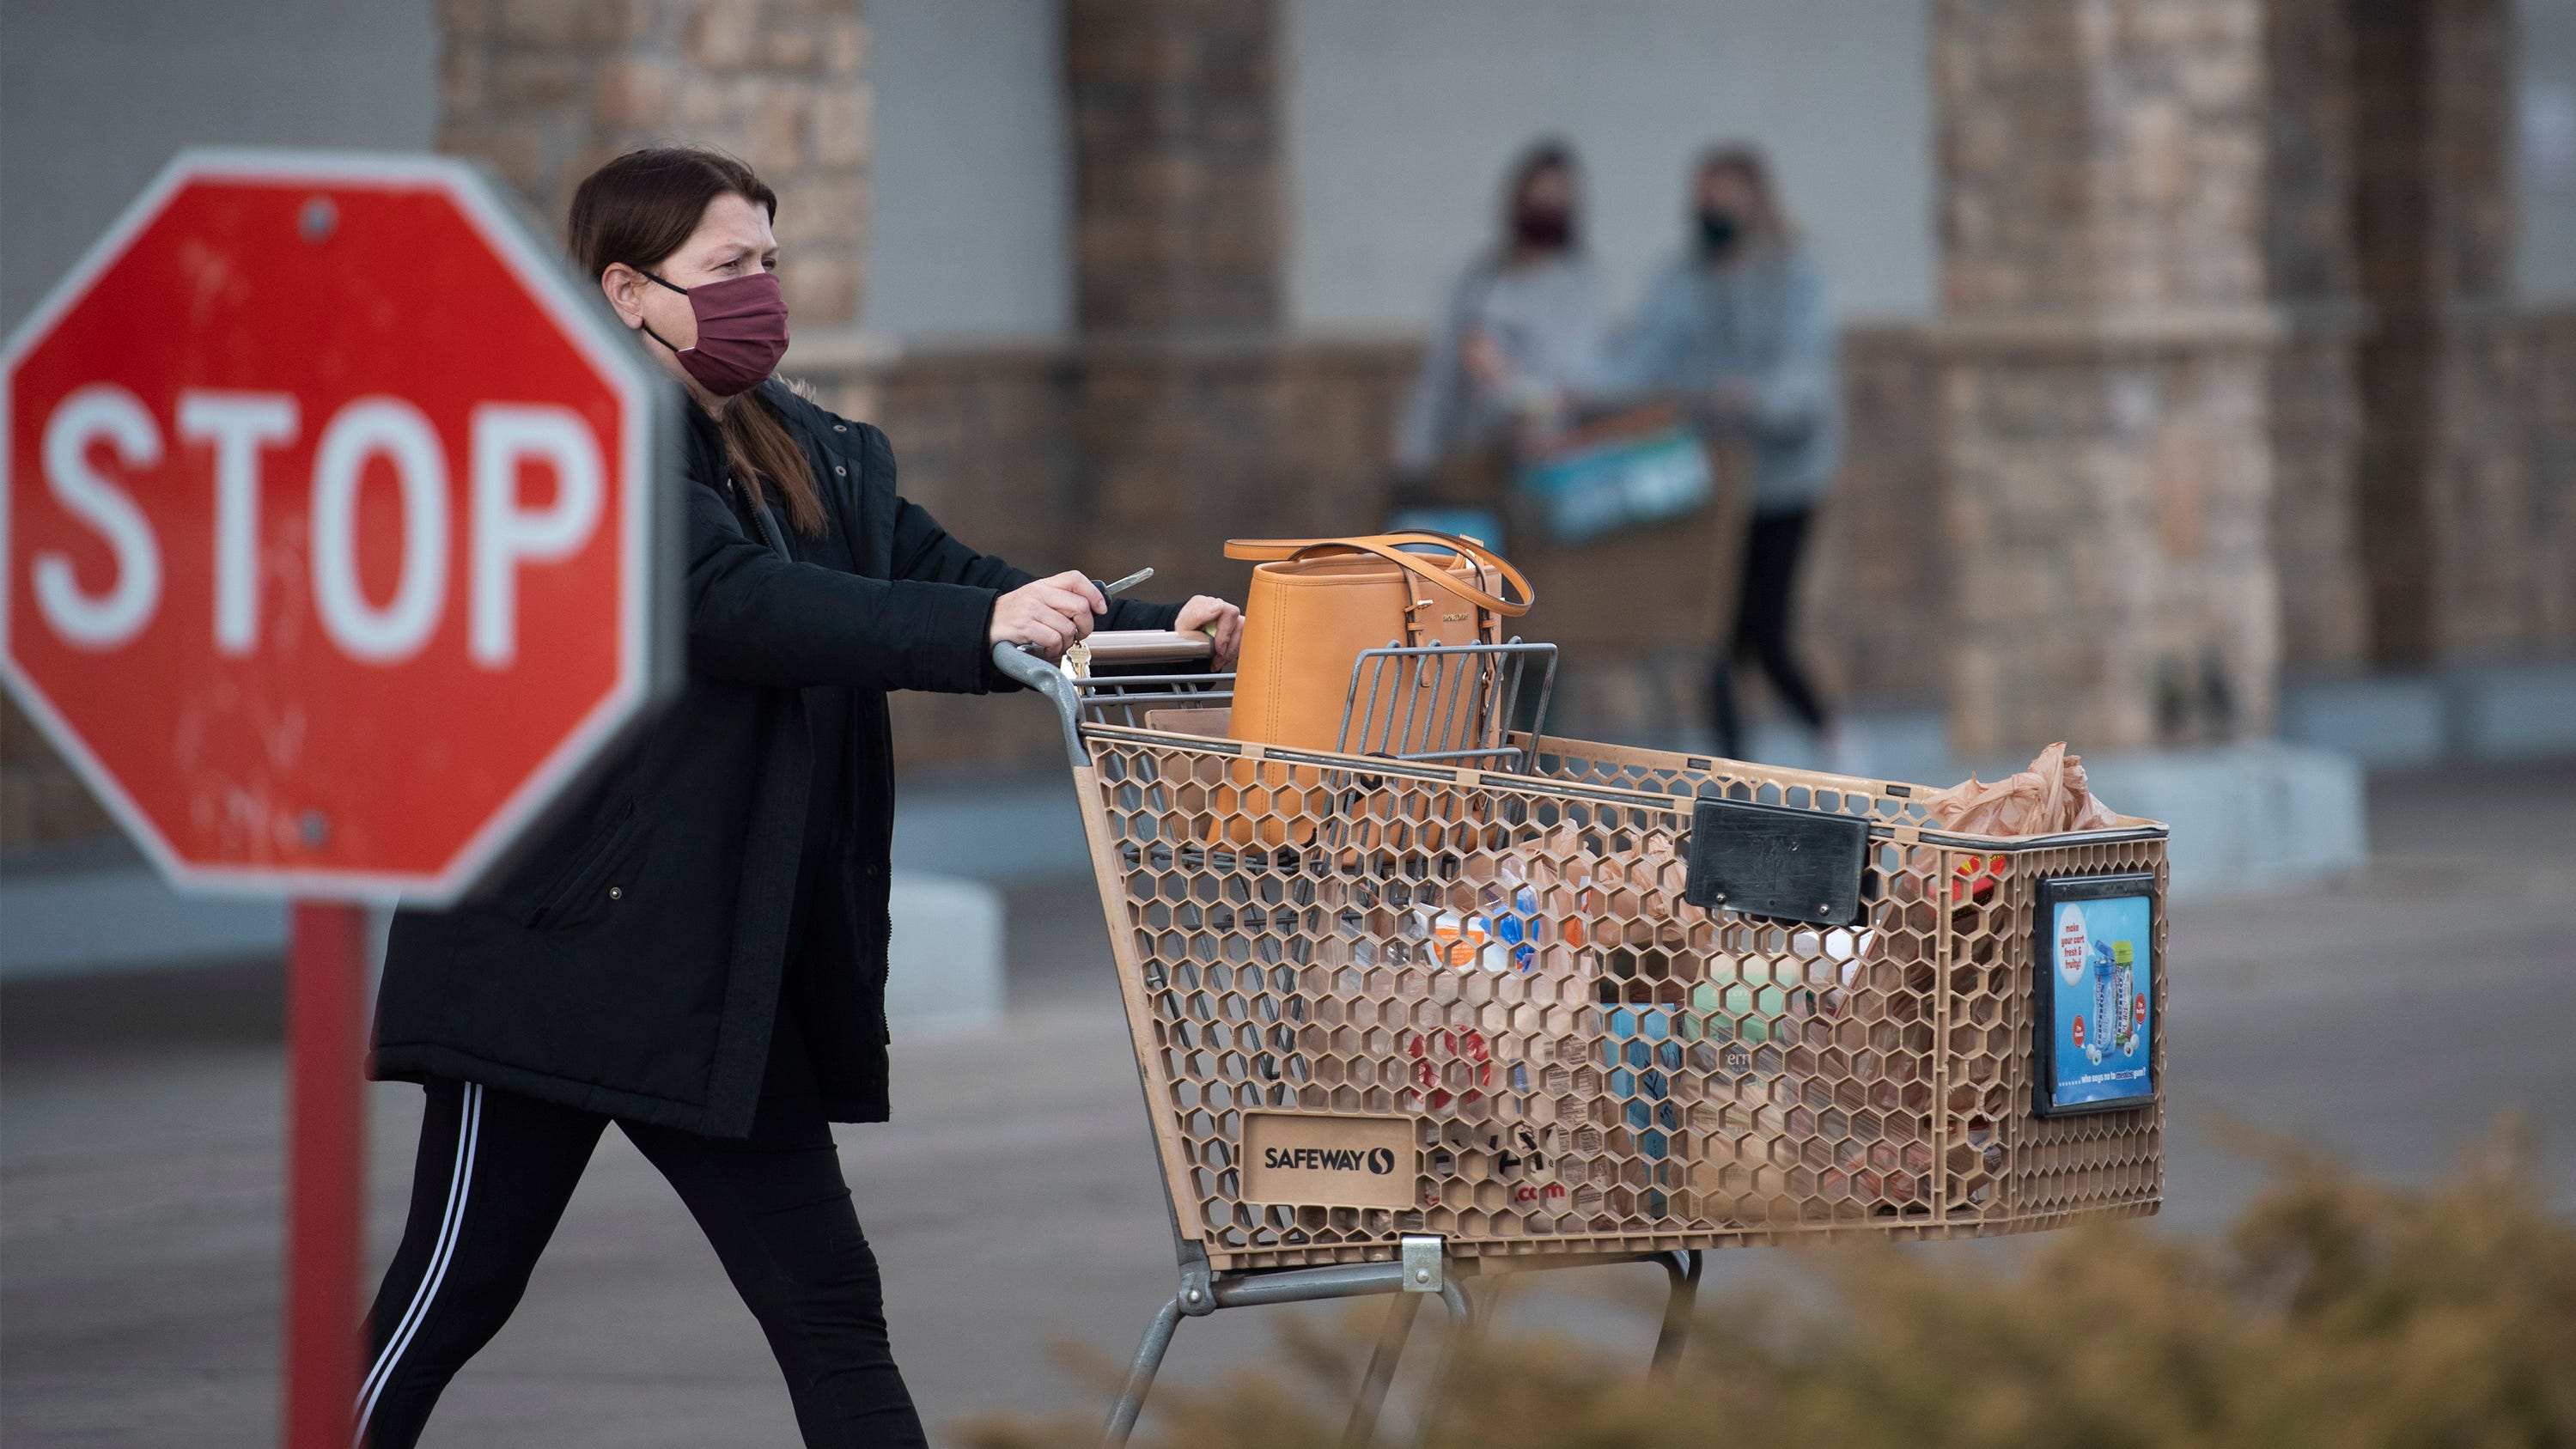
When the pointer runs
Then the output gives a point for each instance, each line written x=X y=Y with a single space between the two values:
x=647 y=326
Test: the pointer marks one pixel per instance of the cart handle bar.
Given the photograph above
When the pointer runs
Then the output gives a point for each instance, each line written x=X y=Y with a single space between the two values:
x=1028 y=669
x=1109 y=646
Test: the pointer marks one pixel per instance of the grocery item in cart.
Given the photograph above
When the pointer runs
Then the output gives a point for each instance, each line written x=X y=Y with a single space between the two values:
x=2049 y=798
x=1634 y=1070
x=1462 y=941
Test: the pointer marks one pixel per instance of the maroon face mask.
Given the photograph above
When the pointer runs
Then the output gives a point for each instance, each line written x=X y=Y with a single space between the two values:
x=742 y=331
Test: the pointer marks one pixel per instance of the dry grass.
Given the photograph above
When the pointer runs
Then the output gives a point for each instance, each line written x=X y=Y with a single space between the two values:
x=2336 y=1313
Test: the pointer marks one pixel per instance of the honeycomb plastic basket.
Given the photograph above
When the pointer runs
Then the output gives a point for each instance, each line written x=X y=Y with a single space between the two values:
x=1373 y=998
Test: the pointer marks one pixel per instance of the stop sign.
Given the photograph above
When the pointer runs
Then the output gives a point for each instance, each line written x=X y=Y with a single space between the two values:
x=330 y=523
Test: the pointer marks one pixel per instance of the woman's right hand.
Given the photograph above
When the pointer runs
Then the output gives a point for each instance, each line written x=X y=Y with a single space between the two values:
x=1487 y=364
x=1047 y=616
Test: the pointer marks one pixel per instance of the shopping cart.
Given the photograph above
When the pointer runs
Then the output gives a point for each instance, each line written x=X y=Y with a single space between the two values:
x=1457 y=999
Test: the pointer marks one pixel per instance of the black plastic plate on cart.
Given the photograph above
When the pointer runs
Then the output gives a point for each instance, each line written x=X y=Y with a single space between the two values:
x=1771 y=860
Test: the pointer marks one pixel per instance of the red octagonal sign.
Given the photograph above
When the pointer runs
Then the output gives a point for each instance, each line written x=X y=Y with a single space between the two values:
x=330 y=523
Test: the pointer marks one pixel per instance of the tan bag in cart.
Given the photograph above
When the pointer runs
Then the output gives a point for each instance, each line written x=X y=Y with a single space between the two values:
x=1316 y=605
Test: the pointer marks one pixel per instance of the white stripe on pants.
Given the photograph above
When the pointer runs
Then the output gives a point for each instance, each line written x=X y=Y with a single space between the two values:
x=450 y=1227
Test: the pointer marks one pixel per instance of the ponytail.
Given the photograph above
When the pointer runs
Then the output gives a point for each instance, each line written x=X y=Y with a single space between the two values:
x=759 y=448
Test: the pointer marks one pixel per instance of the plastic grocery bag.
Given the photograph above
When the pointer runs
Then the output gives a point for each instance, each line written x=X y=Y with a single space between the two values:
x=2049 y=797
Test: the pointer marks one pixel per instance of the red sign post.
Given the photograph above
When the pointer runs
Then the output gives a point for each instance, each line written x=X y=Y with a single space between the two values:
x=330 y=532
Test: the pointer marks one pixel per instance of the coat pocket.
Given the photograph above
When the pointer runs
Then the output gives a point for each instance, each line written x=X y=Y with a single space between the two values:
x=576 y=892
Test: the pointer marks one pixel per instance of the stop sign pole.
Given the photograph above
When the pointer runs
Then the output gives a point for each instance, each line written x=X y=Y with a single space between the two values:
x=326 y=1157
x=335 y=556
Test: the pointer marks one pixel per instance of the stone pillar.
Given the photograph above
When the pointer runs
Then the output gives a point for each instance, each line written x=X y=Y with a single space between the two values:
x=2106 y=338
x=1182 y=389
x=2316 y=420
x=545 y=90
x=2432 y=229
x=1176 y=167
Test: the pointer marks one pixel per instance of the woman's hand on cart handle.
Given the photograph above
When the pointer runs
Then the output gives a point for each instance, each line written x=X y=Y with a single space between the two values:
x=1047 y=616
x=1220 y=621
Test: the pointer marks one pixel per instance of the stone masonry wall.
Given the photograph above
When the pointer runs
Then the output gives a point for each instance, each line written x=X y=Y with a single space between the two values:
x=2099 y=153
x=2313 y=264
x=1176 y=188
x=546 y=90
x=2314 y=417
x=1874 y=603
x=2505 y=488
x=1295 y=445
x=981 y=440
x=2112 y=582
x=2309 y=168
x=2105 y=420
x=2431 y=221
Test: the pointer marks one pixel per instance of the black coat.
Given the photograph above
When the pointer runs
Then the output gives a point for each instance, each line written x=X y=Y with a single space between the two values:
x=629 y=961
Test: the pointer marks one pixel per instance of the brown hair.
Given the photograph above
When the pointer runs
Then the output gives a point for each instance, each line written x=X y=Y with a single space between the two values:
x=639 y=209
x=1745 y=161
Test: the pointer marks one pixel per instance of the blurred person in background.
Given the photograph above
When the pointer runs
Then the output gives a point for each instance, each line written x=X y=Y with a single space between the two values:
x=1740 y=326
x=1523 y=333
x=696 y=950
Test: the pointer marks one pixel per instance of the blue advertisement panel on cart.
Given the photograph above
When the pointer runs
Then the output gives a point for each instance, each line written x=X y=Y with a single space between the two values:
x=2096 y=994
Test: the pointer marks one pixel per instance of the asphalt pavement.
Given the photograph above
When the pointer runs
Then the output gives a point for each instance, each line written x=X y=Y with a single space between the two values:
x=1013 y=1201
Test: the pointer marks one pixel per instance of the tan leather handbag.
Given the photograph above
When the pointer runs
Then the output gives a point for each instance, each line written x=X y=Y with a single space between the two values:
x=1317 y=603
x=1314 y=606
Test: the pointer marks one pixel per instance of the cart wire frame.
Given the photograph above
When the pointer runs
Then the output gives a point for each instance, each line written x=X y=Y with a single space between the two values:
x=1862 y=1087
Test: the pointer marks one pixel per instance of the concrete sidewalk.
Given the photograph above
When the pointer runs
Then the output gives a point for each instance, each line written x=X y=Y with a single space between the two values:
x=1013 y=1201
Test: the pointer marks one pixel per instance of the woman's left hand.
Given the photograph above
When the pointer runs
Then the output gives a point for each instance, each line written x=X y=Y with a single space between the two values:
x=1220 y=621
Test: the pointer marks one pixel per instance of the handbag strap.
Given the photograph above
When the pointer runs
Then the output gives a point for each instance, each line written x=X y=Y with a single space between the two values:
x=1391 y=547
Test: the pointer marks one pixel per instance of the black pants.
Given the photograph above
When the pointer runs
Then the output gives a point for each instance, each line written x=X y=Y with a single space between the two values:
x=494 y=1173
x=1771 y=550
